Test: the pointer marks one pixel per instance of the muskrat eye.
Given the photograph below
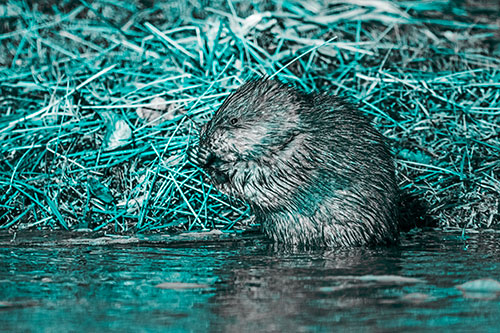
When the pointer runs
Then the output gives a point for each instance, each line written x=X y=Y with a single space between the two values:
x=233 y=121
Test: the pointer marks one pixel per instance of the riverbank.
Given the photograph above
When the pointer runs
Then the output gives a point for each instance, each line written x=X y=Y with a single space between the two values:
x=100 y=101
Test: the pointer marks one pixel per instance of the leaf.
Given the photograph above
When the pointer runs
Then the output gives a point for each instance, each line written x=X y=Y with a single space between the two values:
x=118 y=132
x=100 y=191
x=156 y=109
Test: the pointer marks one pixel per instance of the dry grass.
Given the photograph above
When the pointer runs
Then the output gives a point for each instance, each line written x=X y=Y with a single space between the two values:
x=100 y=101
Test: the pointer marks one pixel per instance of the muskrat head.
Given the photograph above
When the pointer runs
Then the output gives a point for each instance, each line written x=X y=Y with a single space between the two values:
x=253 y=124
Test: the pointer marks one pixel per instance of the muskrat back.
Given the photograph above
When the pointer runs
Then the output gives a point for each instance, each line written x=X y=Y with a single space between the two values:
x=313 y=169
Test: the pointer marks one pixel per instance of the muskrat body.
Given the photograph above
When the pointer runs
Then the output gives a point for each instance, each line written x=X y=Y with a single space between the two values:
x=313 y=169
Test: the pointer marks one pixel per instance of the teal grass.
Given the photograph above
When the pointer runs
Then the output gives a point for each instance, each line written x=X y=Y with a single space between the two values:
x=101 y=100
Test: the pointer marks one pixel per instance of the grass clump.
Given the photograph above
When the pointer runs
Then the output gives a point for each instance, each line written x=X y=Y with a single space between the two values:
x=101 y=100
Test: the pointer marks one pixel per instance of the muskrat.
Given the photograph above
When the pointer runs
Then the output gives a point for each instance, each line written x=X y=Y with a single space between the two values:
x=312 y=168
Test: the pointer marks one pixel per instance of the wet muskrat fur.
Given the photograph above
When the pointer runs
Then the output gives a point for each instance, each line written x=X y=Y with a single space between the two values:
x=313 y=169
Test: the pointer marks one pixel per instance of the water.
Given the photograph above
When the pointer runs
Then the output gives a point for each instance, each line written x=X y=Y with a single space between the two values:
x=223 y=283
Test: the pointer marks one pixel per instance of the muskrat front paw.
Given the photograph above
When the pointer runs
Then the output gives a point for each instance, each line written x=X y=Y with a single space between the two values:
x=192 y=154
x=200 y=156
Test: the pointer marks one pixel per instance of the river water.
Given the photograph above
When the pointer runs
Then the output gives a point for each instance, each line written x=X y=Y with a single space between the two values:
x=62 y=282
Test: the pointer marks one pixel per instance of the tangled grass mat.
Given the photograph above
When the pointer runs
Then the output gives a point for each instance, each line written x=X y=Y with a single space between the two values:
x=99 y=101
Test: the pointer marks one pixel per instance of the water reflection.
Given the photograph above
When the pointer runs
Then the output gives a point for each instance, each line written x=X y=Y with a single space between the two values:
x=286 y=291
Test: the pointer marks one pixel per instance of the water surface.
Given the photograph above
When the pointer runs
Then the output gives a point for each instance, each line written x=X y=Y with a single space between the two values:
x=234 y=283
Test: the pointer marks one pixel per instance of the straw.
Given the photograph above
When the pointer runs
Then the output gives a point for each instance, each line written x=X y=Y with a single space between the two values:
x=100 y=102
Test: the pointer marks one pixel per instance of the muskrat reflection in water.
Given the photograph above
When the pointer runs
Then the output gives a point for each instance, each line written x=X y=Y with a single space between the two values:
x=313 y=169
